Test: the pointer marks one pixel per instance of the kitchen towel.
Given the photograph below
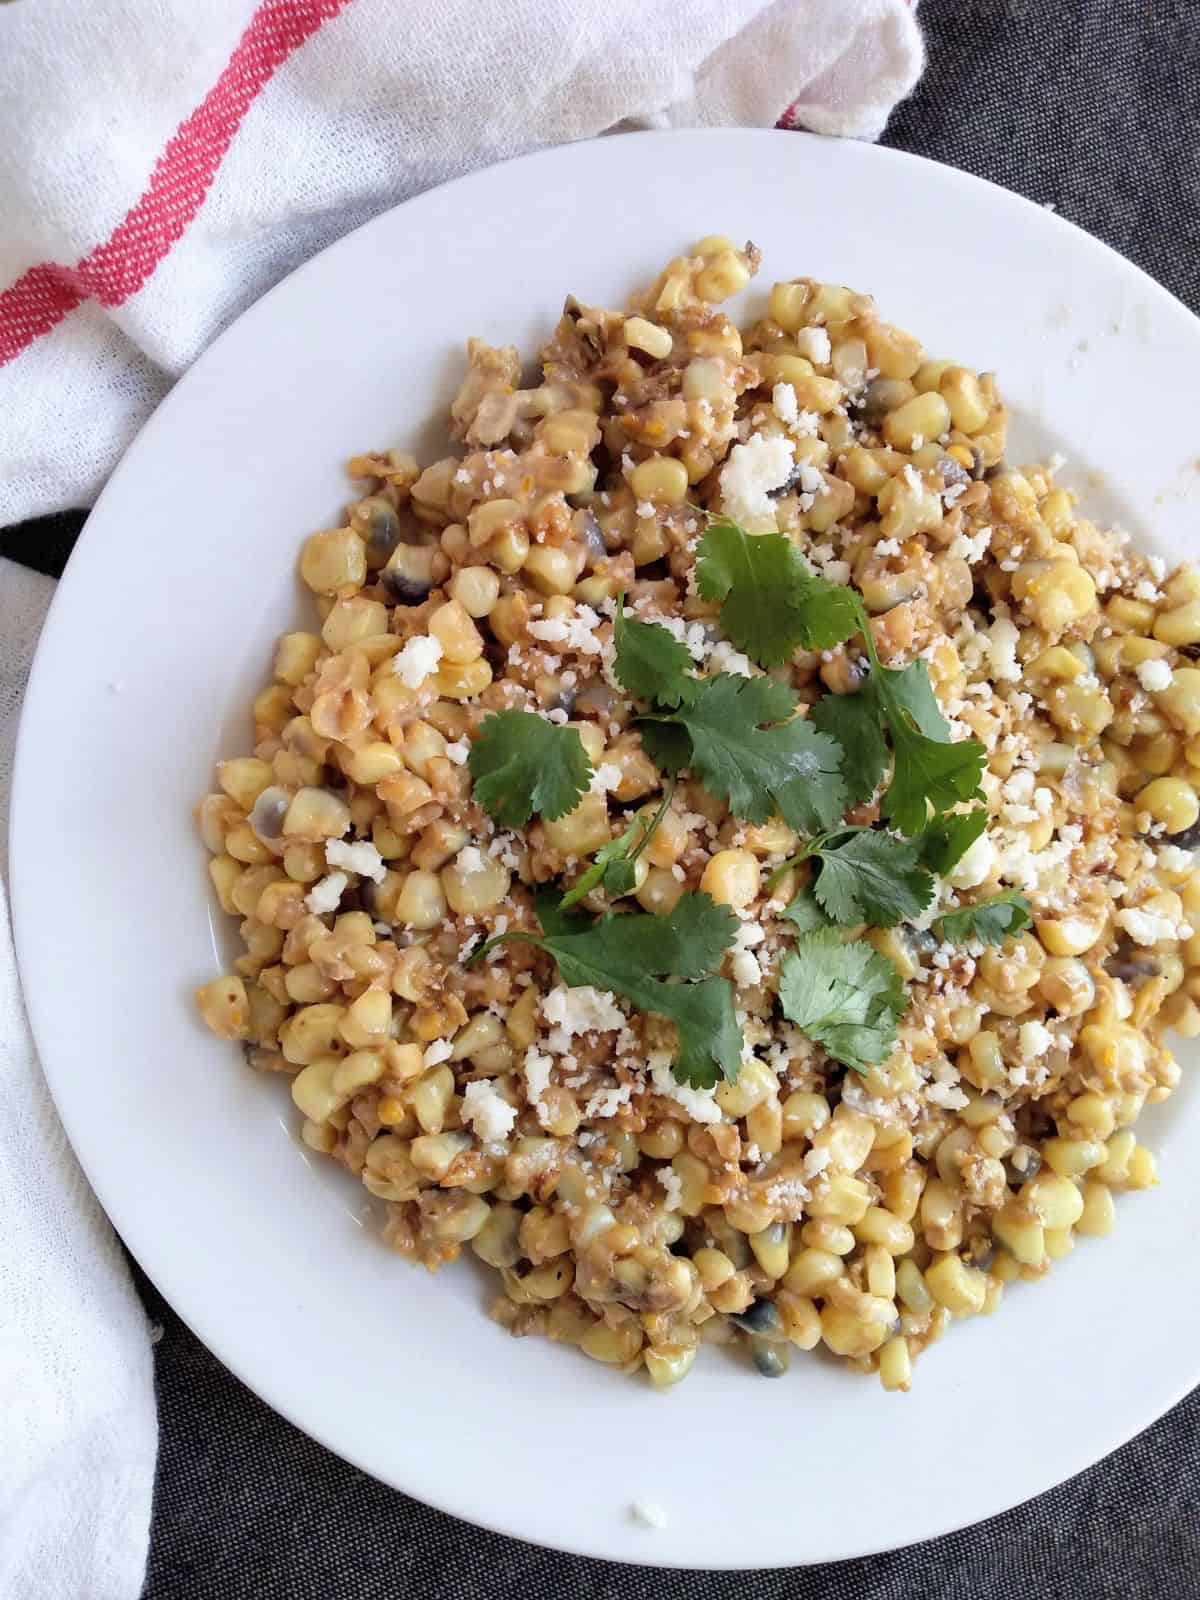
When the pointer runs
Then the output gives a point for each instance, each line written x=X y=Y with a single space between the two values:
x=76 y=1384
x=161 y=165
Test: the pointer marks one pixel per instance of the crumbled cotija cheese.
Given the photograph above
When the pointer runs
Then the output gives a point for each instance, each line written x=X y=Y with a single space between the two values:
x=975 y=864
x=607 y=1102
x=1155 y=675
x=787 y=408
x=1033 y=1040
x=724 y=658
x=486 y=1109
x=582 y=1010
x=606 y=776
x=469 y=860
x=1145 y=927
x=813 y=345
x=699 y=1104
x=537 y=1068
x=1002 y=639
x=362 y=858
x=750 y=472
x=673 y=1185
x=417 y=660
x=326 y=895
x=437 y=1052
x=814 y=1163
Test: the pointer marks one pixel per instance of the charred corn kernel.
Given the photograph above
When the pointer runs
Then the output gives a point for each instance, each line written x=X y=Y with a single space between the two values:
x=731 y=878
x=804 y=1113
x=800 y=1319
x=771 y=1247
x=476 y=589
x=724 y=275
x=912 y=1289
x=460 y=639
x=244 y=779
x=922 y=418
x=649 y=337
x=1171 y=801
x=615 y=1346
x=811 y=1271
x=334 y=559
x=1118 y=1152
x=824 y=1235
x=223 y=1006
x=1070 y=934
x=462 y=682
x=849 y=1333
x=1180 y=701
x=421 y=903
x=880 y=1227
x=895 y=1365
x=668 y=1363
x=1179 y=626
x=1143 y=1169
x=1054 y=1200
x=661 y=478
x=1021 y=1232
x=1093 y=1114
x=961 y=1289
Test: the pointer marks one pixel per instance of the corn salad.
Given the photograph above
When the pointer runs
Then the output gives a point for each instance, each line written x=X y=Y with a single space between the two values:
x=491 y=1107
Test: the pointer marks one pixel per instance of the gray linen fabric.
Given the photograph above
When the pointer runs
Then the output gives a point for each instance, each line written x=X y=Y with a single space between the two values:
x=1091 y=106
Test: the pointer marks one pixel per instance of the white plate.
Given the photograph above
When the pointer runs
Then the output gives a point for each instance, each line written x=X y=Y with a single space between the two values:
x=180 y=582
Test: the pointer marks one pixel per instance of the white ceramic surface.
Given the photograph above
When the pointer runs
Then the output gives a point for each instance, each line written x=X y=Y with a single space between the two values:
x=161 y=630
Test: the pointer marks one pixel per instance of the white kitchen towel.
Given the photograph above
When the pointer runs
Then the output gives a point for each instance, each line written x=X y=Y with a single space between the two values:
x=76 y=1382
x=162 y=163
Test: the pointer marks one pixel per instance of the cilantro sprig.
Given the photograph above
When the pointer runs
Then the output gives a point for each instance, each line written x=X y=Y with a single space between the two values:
x=870 y=877
x=773 y=601
x=615 y=863
x=847 y=997
x=520 y=763
x=774 y=604
x=650 y=662
x=739 y=736
x=742 y=739
x=634 y=956
x=990 y=921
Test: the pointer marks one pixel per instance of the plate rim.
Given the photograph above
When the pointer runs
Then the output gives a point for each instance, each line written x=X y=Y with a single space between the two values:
x=22 y=825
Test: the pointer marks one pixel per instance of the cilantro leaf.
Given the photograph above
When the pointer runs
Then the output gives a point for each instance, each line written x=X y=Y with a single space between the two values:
x=743 y=749
x=991 y=921
x=909 y=691
x=521 y=764
x=855 y=722
x=608 y=867
x=806 y=912
x=710 y=1040
x=947 y=839
x=847 y=997
x=633 y=956
x=650 y=663
x=872 y=877
x=687 y=944
x=925 y=765
x=924 y=770
x=773 y=602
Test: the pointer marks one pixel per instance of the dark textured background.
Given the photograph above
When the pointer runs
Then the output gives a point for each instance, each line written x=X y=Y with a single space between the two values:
x=1091 y=106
